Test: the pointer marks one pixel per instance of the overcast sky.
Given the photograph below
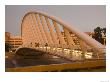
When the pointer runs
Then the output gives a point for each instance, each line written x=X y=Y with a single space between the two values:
x=85 y=18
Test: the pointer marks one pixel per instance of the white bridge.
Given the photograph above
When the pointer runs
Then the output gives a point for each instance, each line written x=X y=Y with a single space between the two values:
x=43 y=32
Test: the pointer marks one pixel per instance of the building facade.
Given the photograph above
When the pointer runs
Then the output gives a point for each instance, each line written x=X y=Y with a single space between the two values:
x=14 y=41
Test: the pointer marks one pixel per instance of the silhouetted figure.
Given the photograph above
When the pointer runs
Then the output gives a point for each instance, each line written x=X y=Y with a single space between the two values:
x=46 y=44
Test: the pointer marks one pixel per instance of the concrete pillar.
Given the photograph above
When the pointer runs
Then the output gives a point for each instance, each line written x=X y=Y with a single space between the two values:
x=41 y=29
x=46 y=30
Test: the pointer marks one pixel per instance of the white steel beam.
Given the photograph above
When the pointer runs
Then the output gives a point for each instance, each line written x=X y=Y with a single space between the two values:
x=41 y=29
x=52 y=33
x=69 y=38
x=62 y=41
x=46 y=30
x=37 y=29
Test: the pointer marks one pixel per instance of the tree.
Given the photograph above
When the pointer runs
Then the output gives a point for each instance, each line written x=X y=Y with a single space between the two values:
x=7 y=47
x=104 y=35
x=104 y=31
x=98 y=35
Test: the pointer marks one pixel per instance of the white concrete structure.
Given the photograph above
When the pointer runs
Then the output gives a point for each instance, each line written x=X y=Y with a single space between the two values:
x=42 y=28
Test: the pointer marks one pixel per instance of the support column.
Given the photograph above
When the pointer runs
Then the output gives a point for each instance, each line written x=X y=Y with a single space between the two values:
x=38 y=30
x=26 y=32
x=36 y=35
x=31 y=31
x=24 y=27
x=23 y=33
x=62 y=41
x=46 y=30
x=41 y=29
x=69 y=38
x=33 y=36
x=53 y=34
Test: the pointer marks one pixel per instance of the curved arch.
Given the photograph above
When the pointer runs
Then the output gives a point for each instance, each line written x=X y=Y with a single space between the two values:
x=93 y=43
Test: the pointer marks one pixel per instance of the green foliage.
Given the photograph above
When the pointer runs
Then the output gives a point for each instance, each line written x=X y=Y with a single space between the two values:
x=98 y=34
x=7 y=47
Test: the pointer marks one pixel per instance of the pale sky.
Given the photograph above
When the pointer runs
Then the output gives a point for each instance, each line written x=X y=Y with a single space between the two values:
x=85 y=18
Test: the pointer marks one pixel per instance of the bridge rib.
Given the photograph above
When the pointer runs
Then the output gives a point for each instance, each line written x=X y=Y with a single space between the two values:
x=38 y=30
x=46 y=30
x=52 y=33
x=39 y=27
x=79 y=34
x=35 y=31
x=61 y=39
